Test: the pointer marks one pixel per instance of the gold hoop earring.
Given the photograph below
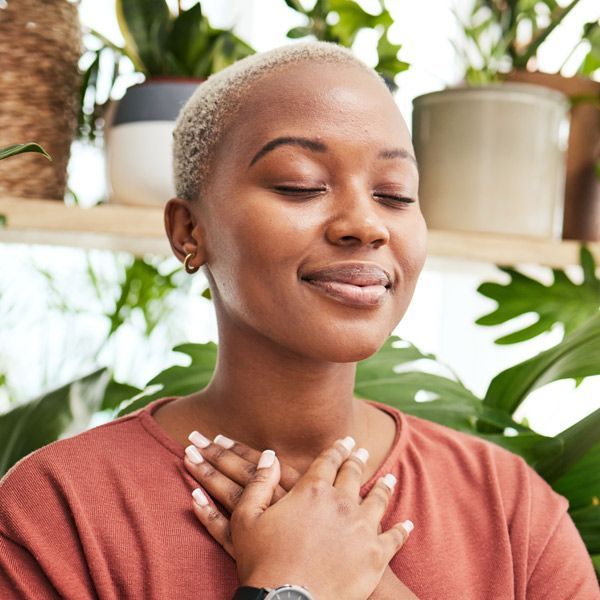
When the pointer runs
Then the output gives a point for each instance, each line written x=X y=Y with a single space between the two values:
x=186 y=264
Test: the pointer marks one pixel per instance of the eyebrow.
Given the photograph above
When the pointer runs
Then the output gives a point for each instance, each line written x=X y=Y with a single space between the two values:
x=317 y=146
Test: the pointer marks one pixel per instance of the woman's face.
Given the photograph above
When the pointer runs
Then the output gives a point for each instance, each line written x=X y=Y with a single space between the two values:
x=300 y=237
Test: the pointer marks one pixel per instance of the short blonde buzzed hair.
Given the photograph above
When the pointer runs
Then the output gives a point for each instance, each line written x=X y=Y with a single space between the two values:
x=205 y=116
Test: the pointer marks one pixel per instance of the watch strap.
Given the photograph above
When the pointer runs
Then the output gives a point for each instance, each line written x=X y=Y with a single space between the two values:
x=246 y=592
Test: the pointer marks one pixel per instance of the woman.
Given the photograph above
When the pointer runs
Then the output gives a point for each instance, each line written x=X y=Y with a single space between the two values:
x=297 y=194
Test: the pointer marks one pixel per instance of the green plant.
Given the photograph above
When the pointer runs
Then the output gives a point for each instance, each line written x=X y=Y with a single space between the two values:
x=21 y=148
x=501 y=35
x=563 y=301
x=340 y=21
x=158 y=42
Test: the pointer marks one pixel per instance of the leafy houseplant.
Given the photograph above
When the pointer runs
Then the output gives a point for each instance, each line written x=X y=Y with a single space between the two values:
x=340 y=21
x=501 y=41
x=569 y=461
x=175 y=52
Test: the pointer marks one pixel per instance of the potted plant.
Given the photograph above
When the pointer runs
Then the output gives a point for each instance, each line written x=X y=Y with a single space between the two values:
x=506 y=166
x=175 y=51
x=340 y=21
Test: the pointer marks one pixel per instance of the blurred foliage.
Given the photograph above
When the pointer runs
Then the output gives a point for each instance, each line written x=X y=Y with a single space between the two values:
x=561 y=302
x=500 y=35
x=21 y=148
x=159 y=43
x=339 y=21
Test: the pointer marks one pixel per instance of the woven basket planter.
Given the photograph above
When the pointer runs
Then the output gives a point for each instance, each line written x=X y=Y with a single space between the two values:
x=40 y=46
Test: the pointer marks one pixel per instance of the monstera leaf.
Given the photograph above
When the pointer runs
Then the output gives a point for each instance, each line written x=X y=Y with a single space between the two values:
x=577 y=356
x=178 y=380
x=561 y=302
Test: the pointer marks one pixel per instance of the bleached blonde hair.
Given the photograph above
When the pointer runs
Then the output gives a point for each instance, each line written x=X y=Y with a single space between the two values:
x=205 y=116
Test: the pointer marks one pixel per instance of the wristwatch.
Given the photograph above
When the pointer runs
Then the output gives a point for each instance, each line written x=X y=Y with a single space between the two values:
x=283 y=592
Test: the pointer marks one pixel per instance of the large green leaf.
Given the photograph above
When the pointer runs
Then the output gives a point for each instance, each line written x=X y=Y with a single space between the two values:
x=62 y=412
x=577 y=441
x=581 y=483
x=144 y=25
x=578 y=355
x=189 y=38
x=21 y=148
x=449 y=402
x=561 y=302
x=178 y=380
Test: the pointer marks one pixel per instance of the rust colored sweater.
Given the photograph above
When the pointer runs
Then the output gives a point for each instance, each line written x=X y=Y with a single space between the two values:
x=107 y=514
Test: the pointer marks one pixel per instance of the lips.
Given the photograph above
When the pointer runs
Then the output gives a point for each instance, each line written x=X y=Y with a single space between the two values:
x=355 y=284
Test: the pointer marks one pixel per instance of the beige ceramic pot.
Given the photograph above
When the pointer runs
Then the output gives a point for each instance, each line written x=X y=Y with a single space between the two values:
x=492 y=158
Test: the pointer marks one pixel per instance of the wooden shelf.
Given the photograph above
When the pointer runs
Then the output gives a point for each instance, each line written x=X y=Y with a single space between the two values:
x=141 y=230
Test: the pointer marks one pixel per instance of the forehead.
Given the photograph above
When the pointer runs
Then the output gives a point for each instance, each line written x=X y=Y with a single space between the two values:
x=321 y=100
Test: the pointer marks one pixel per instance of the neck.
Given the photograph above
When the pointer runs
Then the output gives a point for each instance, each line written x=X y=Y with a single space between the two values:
x=267 y=397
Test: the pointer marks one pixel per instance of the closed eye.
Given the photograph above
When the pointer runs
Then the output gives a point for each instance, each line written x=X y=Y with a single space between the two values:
x=402 y=199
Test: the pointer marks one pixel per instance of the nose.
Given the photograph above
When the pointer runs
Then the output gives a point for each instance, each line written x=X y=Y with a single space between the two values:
x=357 y=222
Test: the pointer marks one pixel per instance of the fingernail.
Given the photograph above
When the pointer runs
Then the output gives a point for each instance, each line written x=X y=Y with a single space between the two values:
x=267 y=458
x=198 y=439
x=193 y=454
x=408 y=525
x=362 y=454
x=390 y=481
x=199 y=497
x=223 y=441
x=348 y=443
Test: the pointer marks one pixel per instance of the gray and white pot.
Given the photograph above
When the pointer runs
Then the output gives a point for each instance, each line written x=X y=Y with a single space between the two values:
x=138 y=141
x=492 y=158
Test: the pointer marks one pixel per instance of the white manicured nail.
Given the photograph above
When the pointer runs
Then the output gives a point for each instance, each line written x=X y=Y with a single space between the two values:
x=408 y=525
x=198 y=439
x=223 y=441
x=348 y=443
x=390 y=481
x=193 y=454
x=199 y=497
x=267 y=458
x=362 y=454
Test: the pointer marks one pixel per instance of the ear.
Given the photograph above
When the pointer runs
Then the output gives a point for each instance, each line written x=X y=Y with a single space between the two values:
x=184 y=231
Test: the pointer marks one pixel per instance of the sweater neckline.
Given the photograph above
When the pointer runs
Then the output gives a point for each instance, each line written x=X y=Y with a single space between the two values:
x=389 y=464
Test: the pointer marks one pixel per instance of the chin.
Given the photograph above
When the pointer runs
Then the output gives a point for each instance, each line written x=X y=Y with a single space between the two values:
x=348 y=346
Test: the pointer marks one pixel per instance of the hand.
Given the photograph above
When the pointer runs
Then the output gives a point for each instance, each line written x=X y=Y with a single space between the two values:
x=333 y=537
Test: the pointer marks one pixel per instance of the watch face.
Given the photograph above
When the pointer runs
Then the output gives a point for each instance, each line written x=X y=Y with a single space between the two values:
x=289 y=592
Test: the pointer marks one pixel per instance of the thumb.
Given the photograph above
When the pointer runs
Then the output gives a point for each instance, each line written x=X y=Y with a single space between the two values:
x=259 y=490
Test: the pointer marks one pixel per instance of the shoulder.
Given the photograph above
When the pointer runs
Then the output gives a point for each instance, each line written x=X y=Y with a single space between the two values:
x=473 y=462
x=60 y=471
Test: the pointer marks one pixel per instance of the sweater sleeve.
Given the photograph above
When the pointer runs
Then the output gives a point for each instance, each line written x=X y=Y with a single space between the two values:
x=20 y=575
x=41 y=554
x=559 y=566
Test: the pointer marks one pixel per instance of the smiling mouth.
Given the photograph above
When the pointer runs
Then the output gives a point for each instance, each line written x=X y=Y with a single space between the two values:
x=353 y=284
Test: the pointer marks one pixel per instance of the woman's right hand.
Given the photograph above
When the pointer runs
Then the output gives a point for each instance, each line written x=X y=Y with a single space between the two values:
x=319 y=535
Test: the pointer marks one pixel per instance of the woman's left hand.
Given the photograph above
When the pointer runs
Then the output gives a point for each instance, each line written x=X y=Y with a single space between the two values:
x=225 y=468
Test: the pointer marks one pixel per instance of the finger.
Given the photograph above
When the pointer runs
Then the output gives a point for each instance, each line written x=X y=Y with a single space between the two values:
x=222 y=473
x=289 y=475
x=375 y=504
x=395 y=537
x=214 y=522
x=350 y=475
x=258 y=492
x=220 y=487
x=326 y=465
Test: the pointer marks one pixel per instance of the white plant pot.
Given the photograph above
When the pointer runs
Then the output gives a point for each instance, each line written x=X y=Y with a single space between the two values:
x=138 y=142
x=492 y=158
